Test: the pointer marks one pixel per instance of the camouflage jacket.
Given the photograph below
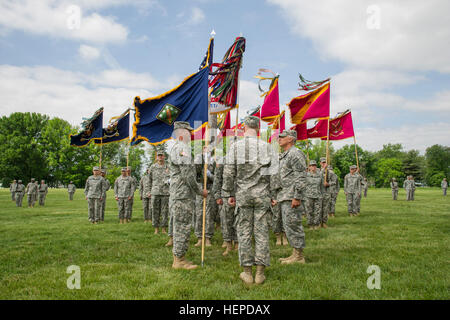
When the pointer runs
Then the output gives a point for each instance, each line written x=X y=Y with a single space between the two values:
x=31 y=188
x=20 y=188
x=218 y=182
x=292 y=175
x=183 y=184
x=43 y=188
x=94 y=187
x=444 y=184
x=144 y=187
x=13 y=187
x=409 y=184
x=394 y=185
x=327 y=174
x=352 y=183
x=334 y=182
x=106 y=187
x=200 y=169
x=250 y=168
x=71 y=187
x=124 y=187
x=314 y=184
x=158 y=180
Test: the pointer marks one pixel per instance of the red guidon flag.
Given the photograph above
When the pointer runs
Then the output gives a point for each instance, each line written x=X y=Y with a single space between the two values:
x=341 y=127
x=319 y=130
x=301 y=129
x=313 y=105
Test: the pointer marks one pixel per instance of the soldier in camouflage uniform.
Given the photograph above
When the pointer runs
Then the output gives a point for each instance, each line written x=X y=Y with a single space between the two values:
x=334 y=190
x=183 y=188
x=409 y=186
x=413 y=187
x=12 y=189
x=144 y=190
x=394 y=188
x=31 y=191
x=226 y=211
x=131 y=201
x=292 y=180
x=123 y=191
x=365 y=185
x=19 y=192
x=250 y=166
x=106 y=187
x=43 y=190
x=444 y=186
x=314 y=190
x=352 y=189
x=327 y=187
x=158 y=183
x=93 y=191
x=71 y=190
x=211 y=205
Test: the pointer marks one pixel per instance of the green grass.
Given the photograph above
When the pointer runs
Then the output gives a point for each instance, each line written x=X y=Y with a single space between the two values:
x=409 y=241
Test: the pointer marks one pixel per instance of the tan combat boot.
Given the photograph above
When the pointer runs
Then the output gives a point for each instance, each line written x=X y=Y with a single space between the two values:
x=236 y=245
x=285 y=240
x=224 y=244
x=228 y=249
x=208 y=242
x=288 y=258
x=120 y=221
x=247 y=276
x=170 y=242
x=199 y=243
x=324 y=225
x=164 y=231
x=181 y=263
x=156 y=230
x=297 y=257
x=259 y=276
x=278 y=239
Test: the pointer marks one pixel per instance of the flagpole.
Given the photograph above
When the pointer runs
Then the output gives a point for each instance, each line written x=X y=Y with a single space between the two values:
x=101 y=150
x=356 y=152
x=307 y=151
x=327 y=152
x=205 y=178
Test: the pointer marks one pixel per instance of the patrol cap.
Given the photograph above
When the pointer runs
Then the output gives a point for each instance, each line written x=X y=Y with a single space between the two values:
x=352 y=166
x=288 y=133
x=160 y=153
x=20 y=181
x=32 y=179
x=252 y=122
x=124 y=169
x=103 y=171
x=182 y=125
x=96 y=168
x=71 y=182
x=323 y=159
x=393 y=179
x=312 y=163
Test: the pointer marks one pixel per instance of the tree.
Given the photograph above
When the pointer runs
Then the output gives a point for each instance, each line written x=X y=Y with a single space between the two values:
x=390 y=151
x=414 y=164
x=437 y=162
x=386 y=170
x=345 y=157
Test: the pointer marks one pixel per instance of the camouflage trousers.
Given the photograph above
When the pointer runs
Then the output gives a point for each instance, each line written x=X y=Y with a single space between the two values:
x=326 y=205
x=102 y=208
x=394 y=194
x=409 y=194
x=227 y=221
x=333 y=203
x=170 y=228
x=444 y=191
x=71 y=195
x=13 y=196
x=160 y=211
x=122 y=204
x=146 y=205
x=277 y=220
x=31 y=199
x=42 y=196
x=19 y=198
x=130 y=208
x=313 y=209
x=252 y=222
x=211 y=212
x=181 y=211
x=292 y=221
x=365 y=193
x=94 y=206
x=353 y=202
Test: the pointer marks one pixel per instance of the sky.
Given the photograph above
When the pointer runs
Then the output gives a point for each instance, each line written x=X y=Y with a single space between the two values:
x=389 y=61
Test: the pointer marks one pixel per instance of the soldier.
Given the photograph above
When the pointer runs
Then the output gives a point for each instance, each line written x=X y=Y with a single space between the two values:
x=365 y=185
x=43 y=190
x=31 y=191
x=352 y=189
x=226 y=211
x=292 y=180
x=71 y=190
x=327 y=186
x=123 y=191
x=334 y=190
x=313 y=193
x=93 y=191
x=144 y=190
x=106 y=187
x=159 y=192
x=394 y=188
x=183 y=188
x=131 y=201
x=444 y=186
x=19 y=192
x=211 y=205
x=250 y=166
x=408 y=186
x=413 y=188
x=12 y=189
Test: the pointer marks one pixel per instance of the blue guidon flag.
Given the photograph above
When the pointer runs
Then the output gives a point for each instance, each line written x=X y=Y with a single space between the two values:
x=117 y=130
x=91 y=129
x=188 y=101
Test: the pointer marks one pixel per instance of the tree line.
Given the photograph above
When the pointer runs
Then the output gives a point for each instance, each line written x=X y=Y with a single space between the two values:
x=34 y=146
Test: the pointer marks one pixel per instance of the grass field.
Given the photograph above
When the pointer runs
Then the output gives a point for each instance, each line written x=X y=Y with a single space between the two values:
x=409 y=241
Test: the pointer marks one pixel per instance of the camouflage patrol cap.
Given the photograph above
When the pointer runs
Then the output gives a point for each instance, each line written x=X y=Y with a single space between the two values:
x=160 y=153
x=352 y=166
x=252 y=122
x=103 y=171
x=124 y=169
x=32 y=179
x=288 y=133
x=20 y=181
x=182 y=125
x=312 y=163
x=96 y=168
x=71 y=182
x=323 y=159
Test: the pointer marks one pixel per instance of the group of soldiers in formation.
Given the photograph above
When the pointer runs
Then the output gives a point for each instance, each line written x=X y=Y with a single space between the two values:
x=248 y=191
x=32 y=190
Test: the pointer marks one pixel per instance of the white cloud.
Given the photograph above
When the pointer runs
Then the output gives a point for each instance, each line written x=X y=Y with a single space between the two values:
x=197 y=16
x=413 y=35
x=88 y=52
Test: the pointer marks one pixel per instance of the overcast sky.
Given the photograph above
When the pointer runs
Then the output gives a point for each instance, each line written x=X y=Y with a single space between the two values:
x=389 y=61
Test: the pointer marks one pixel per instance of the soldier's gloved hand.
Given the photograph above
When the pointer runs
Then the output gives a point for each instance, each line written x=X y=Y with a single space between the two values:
x=204 y=193
x=295 y=203
x=326 y=184
x=129 y=198
x=117 y=198
x=273 y=202
x=219 y=201
x=149 y=195
x=232 y=201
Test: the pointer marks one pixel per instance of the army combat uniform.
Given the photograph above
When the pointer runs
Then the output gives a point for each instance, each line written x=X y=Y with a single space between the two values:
x=352 y=189
x=106 y=187
x=394 y=189
x=31 y=191
x=94 y=193
x=131 y=201
x=19 y=192
x=71 y=190
x=123 y=190
x=144 y=190
x=158 y=182
x=12 y=189
x=43 y=190
x=314 y=189
x=326 y=196
x=409 y=186
x=444 y=186
x=334 y=190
